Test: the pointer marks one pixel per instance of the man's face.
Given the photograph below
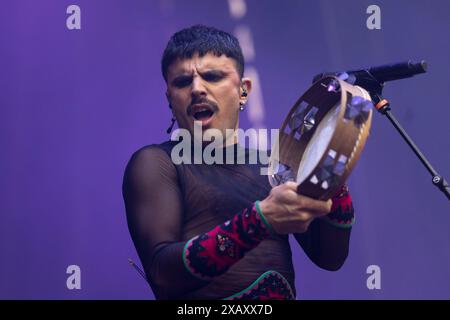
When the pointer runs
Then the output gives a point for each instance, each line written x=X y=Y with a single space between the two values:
x=206 y=89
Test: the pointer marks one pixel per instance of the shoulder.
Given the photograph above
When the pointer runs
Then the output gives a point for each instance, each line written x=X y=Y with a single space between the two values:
x=150 y=154
x=150 y=162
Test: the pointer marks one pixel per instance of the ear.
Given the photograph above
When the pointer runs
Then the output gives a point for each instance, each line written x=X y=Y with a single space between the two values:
x=245 y=89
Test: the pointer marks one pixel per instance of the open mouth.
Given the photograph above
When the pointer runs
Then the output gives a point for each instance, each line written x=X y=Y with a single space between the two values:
x=202 y=112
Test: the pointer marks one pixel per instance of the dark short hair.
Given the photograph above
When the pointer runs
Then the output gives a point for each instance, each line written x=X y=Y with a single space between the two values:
x=201 y=40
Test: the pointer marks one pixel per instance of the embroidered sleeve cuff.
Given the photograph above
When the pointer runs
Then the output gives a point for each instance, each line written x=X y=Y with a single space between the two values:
x=211 y=254
x=342 y=213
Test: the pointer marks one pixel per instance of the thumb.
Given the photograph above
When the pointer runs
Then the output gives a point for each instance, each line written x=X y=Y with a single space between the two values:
x=291 y=185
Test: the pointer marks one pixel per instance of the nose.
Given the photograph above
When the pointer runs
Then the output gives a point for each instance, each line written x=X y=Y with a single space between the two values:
x=198 y=87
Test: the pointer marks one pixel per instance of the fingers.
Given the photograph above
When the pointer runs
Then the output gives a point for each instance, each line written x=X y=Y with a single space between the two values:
x=291 y=185
x=317 y=207
x=291 y=211
x=309 y=208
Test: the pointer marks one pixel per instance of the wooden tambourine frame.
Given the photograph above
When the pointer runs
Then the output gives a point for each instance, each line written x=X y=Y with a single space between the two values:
x=334 y=115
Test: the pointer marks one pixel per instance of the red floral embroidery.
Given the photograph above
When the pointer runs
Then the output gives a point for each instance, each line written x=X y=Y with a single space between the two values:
x=211 y=254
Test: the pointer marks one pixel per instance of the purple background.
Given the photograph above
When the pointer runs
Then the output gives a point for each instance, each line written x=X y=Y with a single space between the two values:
x=75 y=104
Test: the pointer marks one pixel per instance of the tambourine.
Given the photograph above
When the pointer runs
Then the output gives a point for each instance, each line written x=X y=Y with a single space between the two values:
x=322 y=138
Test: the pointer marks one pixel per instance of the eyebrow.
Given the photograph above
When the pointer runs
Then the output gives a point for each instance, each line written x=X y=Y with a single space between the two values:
x=215 y=71
x=208 y=70
x=186 y=75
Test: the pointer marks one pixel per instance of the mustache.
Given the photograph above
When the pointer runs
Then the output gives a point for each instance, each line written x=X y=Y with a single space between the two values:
x=212 y=105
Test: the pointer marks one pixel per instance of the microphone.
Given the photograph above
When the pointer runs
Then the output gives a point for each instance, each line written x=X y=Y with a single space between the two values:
x=381 y=74
x=373 y=78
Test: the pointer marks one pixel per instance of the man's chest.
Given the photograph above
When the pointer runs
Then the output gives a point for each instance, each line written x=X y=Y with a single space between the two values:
x=213 y=194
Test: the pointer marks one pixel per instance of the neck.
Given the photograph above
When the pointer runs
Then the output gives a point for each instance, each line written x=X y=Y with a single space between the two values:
x=231 y=139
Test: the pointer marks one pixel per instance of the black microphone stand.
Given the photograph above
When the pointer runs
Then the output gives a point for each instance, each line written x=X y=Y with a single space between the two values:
x=437 y=179
x=375 y=87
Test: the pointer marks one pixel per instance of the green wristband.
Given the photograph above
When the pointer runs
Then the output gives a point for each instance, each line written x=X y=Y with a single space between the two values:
x=263 y=218
x=337 y=224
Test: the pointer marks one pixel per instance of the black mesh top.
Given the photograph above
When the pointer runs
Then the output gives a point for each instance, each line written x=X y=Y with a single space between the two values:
x=169 y=204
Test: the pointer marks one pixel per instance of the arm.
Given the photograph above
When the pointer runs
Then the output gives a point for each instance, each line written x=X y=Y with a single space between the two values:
x=326 y=242
x=154 y=209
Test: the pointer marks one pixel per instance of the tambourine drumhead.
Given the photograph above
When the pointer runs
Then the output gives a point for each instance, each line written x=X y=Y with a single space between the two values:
x=322 y=138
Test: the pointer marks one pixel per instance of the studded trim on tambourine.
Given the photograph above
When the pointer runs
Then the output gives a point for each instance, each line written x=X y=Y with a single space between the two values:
x=322 y=138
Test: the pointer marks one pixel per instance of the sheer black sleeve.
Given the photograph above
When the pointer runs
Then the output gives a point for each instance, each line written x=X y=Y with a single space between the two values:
x=154 y=206
x=326 y=242
x=154 y=214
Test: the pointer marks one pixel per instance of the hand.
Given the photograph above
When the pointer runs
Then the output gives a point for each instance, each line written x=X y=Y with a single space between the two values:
x=289 y=212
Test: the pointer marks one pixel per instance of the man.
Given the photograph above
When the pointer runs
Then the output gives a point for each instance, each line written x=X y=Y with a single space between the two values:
x=220 y=231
